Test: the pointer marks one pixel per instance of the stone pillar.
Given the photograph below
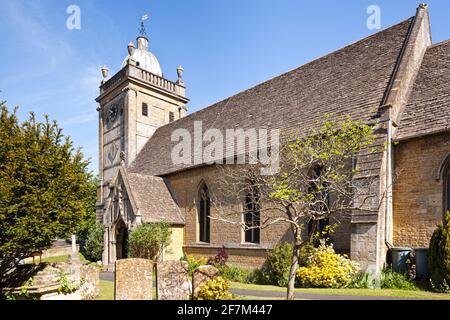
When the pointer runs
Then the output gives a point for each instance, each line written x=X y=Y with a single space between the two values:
x=74 y=243
x=133 y=279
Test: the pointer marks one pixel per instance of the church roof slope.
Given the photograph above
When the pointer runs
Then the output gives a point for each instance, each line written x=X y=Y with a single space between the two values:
x=428 y=108
x=350 y=81
x=153 y=199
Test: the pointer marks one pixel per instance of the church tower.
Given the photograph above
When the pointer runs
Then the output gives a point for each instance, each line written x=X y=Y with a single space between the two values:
x=132 y=105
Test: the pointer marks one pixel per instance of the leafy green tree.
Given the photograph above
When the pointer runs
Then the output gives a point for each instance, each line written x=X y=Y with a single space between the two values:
x=93 y=248
x=88 y=218
x=43 y=187
x=314 y=182
x=439 y=256
x=148 y=240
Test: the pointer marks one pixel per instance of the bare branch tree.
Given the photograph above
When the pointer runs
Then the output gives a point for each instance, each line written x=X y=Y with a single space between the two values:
x=315 y=181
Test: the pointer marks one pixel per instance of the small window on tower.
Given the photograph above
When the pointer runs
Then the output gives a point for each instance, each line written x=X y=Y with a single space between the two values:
x=145 y=109
x=171 y=116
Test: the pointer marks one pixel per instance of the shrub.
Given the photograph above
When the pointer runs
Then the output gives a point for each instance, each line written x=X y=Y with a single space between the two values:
x=148 y=240
x=214 y=289
x=193 y=263
x=361 y=280
x=394 y=280
x=220 y=259
x=93 y=249
x=235 y=274
x=305 y=253
x=439 y=255
x=327 y=269
x=277 y=266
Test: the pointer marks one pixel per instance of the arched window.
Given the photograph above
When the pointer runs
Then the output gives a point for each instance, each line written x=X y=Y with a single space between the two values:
x=204 y=208
x=252 y=218
x=322 y=201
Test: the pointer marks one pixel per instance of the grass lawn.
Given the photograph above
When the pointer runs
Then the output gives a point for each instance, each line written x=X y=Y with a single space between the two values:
x=106 y=290
x=350 y=292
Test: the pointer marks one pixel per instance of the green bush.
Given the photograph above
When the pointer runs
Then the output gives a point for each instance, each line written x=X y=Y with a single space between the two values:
x=393 y=280
x=439 y=255
x=327 y=269
x=215 y=289
x=235 y=274
x=93 y=248
x=148 y=240
x=361 y=280
x=277 y=266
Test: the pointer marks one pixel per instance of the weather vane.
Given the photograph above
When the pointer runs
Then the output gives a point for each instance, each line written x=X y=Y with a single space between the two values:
x=142 y=31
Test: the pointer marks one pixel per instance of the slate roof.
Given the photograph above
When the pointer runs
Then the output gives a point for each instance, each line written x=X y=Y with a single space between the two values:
x=352 y=80
x=428 y=109
x=153 y=199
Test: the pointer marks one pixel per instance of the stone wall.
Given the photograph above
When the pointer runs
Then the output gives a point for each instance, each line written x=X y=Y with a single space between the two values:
x=418 y=194
x=175 y=249
x=186 y=185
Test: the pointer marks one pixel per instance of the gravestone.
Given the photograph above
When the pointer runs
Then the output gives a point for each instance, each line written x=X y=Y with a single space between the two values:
x=173 y=280
x=201 y=275
x=133 y=280
x=90 y=288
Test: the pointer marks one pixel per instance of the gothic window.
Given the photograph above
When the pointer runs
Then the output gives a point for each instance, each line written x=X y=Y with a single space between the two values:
x=145 y=109
x=252 y=218
x=322 y=202
x=204 y=208
x=171 y=116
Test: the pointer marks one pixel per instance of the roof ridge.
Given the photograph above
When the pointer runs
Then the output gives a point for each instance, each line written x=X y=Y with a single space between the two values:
x=441 y=43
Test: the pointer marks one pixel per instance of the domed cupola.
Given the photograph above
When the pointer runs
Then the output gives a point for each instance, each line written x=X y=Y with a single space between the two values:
x=143 y=58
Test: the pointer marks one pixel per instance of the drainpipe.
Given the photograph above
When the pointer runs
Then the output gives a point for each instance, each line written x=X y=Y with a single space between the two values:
x=388 y=201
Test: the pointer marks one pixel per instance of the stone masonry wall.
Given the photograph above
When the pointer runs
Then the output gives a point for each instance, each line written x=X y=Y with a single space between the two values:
x=418 y=195
x=186 y=185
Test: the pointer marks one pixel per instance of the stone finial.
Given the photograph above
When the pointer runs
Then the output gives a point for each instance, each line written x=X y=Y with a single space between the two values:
x=180 y=71
x=131 y=48
x=105 y=72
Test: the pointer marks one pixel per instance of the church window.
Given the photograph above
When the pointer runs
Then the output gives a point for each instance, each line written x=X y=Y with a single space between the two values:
x=171 y=116
x=204 y=208
x=145 y=109
x=322 y=201
x=252 y=218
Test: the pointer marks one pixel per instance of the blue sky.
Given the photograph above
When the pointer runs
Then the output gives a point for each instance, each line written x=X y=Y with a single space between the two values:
x=225 y=46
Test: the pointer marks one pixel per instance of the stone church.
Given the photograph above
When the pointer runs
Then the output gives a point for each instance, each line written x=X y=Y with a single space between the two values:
x=396 y=77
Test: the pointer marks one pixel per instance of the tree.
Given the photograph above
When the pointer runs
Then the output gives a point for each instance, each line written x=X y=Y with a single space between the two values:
x=314 y=182
x=88 y=218
x=149 y=240
x=43 y=187
x=93 y=248
x=439 y=256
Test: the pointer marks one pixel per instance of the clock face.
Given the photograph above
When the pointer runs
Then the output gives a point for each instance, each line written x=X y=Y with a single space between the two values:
x=112 y=113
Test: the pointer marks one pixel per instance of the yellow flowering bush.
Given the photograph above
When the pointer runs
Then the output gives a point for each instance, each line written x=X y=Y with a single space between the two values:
x=215 y=289
x=327 y=269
